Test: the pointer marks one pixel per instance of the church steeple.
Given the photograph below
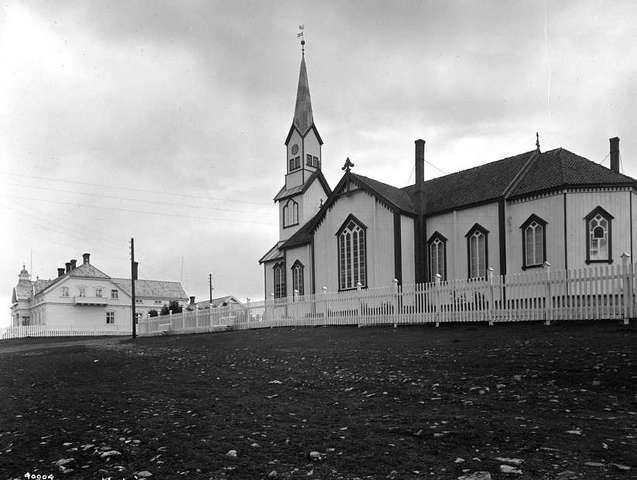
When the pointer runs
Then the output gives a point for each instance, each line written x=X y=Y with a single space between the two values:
x=303 y=118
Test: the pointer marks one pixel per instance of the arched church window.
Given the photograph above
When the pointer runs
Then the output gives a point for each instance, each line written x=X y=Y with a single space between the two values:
x=437 y=245
x=290 y=214
x=599 y=236
x=279 y=280
x=533 y=242
x=297 y=278
x=477 y=251
x=352 y=254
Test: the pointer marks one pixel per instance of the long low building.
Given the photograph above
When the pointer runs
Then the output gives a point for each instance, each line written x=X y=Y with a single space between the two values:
x=84 y=297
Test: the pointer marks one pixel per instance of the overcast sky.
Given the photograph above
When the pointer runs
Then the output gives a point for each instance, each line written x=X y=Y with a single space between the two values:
x=165 y=121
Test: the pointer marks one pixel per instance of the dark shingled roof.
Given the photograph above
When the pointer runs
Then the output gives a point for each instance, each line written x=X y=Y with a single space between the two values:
x=152 y=288
x=560 y=168
x=524 y=174
x=273 y=253
x=474 y=185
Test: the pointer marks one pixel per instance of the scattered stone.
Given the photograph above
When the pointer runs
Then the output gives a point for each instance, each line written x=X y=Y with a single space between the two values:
x=314 y=455
x=110 y=453
x=575 y=431
x=231 y=453
x=620 y=466
x=593 y=464
x=64 y=461
x=567 y=475
x=510 y=469
x=273 y=473
x=67 y=444
x=511 y=461
x=476 y=476
x=458 y=460
x=144 y=474
x=517 y=378
x=275 y=382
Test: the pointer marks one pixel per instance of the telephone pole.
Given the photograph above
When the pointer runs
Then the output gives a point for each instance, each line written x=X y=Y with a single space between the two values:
x=133 y=274
x=210 y=286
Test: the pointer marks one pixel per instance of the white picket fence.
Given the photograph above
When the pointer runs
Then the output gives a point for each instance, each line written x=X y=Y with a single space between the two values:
x=594 y=293
x=46 y=331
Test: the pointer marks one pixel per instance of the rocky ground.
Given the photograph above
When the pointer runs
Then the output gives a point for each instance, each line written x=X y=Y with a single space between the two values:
x=458 y=402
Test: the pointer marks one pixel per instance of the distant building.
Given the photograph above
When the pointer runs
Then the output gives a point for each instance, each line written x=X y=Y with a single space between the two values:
x=85 y=297
x=226 y=301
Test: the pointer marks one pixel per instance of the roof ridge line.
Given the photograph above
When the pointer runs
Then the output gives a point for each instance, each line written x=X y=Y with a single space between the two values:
x=520 y=175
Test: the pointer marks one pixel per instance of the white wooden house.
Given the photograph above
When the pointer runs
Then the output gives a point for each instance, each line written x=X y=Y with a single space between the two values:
x=84 y=297
x=510 y=215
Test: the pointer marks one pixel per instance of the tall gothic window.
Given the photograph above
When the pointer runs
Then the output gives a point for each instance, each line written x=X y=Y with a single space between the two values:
x=533 y=242
x=297 y=278
x=599 y=236
x=352 y=254
x=477 y=251
x=437 y=251
x=290 y=214
x=279 y=280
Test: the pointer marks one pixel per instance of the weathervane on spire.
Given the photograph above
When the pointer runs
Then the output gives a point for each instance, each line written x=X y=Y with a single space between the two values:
x=537 y=141
x=302 y=37
x=348 y=165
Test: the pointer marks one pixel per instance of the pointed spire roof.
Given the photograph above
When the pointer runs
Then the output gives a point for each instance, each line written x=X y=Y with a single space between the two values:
x=303 y=118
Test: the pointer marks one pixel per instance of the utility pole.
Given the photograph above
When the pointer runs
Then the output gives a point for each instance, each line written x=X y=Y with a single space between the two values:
x=210 y=286
x=133 y=274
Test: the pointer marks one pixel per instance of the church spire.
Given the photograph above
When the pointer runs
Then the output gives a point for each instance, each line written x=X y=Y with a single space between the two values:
x=303 y=119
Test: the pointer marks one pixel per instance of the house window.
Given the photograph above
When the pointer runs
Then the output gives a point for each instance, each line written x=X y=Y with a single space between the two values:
x=477 y=251
x=352 y=254
x=110 y=317
x=599 y=236
x=65 y=291
x=98 y=292
x=437 y=256
x=114 y=294
x=533 y=242
x=297 y=278
x=279 y=280
x=290 y=214
x=82 y=292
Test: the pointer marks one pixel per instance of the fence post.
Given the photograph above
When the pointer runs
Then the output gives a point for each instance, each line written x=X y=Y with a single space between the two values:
x=438 y=278
x=627 y=290
x=396 y=302
x=548 y=300
x=491 y=309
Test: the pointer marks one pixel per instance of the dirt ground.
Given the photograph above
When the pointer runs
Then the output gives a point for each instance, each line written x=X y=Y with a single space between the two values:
x=521 y=401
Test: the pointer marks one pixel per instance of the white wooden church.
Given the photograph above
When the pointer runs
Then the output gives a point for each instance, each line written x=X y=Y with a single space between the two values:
x=509 y=215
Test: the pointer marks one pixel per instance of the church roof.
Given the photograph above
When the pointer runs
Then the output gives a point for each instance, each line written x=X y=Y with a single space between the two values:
x=152 y=288
x=299 y=189
x=274 y=253
x=303 y=118
x=512 y=177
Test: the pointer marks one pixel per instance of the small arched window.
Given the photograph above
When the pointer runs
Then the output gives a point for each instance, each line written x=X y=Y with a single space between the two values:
x=437 y=246
x=533 y=242
x=599 y=236
x=352 y=254
x=290 y=214
x=279 y=280
x=297 y=278
x=477 y=251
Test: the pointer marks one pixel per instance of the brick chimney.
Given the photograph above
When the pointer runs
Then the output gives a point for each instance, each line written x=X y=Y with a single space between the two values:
x=420 y=164
x=73 y=264
x=614 y=154
x=68 y=267
x=192 y=300
x=60 y=271
x=86 y=257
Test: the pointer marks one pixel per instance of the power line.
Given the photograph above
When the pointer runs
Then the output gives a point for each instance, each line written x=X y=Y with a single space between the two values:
x=115 y=197
x=130 y=210
x=53 y=179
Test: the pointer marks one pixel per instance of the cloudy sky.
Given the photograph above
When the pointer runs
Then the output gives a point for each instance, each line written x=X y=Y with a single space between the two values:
x=165 y=121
